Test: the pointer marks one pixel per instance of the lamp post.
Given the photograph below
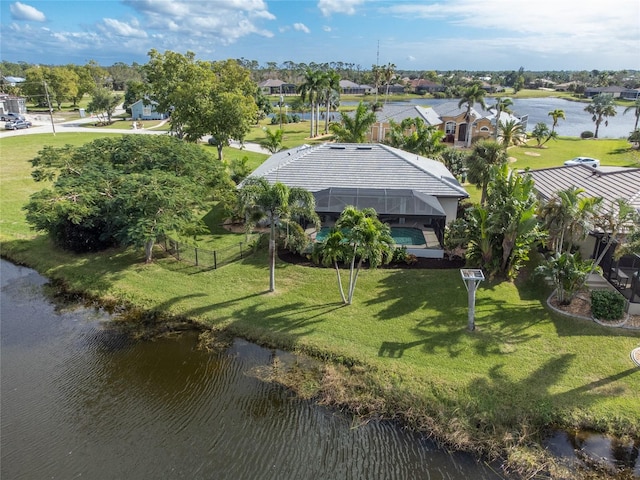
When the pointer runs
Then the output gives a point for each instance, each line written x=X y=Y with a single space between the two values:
x=471 y=278
x=281 y=101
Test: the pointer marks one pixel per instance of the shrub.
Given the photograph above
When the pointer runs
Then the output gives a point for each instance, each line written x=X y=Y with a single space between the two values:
x=586 y=134
x=607 y=305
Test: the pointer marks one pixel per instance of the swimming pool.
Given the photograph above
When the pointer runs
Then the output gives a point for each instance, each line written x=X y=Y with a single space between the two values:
x=400 y=235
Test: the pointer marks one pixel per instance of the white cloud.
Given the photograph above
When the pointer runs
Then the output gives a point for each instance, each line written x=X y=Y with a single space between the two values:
x=301 y=27
x=326 y=28
x=123 y=29
x=21 y=11
x=411 y=58
x=327 y=7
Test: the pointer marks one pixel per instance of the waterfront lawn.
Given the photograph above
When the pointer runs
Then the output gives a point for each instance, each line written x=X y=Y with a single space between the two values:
x=524 y=368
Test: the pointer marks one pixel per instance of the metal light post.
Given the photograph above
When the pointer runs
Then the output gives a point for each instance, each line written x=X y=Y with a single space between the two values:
x=281 y=102
x=471 y=278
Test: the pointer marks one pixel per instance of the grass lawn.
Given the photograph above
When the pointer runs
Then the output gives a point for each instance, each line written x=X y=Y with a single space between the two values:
x=523 y=369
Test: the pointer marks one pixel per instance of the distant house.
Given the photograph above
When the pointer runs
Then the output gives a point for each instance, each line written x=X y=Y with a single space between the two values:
x=609 y=183
x=630 y=93
x=12 y=104
x=615 y=91
x=421 y=86
x=274 y=86
x=140 y=111
x=351 y=88
x=404 y=188
x=448 y=117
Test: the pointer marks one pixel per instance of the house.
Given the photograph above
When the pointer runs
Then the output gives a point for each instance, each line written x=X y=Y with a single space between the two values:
x=351 y=88
x=12 y=104
x=421 y=86
x=614 y=91
x=274 y=86
x=404 y=188
x=630 y=94
x=610 y=183
x=448 y=117
x=145 y=109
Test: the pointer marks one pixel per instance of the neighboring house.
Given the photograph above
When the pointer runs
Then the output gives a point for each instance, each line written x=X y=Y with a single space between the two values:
x=393 y=89
x=12 y=104
x=274 y=86
x=421 y=86
x=615 y=91
x=448 y=117
x=404 y=188
x=140 y=111
x=630 y=93
x=350 y=88
x=610 y=183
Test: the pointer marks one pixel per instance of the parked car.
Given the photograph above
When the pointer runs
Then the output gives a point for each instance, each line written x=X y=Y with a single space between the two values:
x=590 y=162
x=10 y=117
x=17 y=125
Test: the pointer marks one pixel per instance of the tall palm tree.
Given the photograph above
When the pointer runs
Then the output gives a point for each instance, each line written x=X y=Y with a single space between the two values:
x=501 y=105
x=511 y=133
x=635 y=108
x=354 y=129
x=261 y=200
x=601 y=107
x=485 y=154
x=388 y=72
x=556 y=115
x=376 y=71
x=470 y=96
x=308 y=90
x=330 y=94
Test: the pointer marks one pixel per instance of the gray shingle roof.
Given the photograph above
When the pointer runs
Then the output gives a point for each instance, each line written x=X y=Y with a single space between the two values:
x=362 y=165
x=608 y=183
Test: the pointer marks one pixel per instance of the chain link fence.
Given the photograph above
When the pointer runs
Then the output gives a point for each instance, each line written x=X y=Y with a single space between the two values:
x=201 y=257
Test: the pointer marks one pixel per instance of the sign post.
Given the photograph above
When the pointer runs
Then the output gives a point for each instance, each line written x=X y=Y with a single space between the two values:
x=471 y=278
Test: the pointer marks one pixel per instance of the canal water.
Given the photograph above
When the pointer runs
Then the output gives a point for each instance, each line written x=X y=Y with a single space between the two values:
x=82 y=400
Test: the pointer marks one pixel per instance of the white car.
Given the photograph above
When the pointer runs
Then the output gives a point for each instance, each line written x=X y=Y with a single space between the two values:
x=588 y=161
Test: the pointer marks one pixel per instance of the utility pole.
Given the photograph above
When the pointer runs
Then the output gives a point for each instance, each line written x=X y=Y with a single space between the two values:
x=281 y=102
x=46 y=91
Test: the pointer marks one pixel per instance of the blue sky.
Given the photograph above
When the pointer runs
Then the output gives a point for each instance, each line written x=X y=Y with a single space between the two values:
x=412 y=34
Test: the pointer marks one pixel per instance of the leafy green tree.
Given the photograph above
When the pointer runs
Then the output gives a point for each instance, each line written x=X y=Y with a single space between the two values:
x=134 y=91
x=542 y=134
x=274 y=203
x=273 y=140
x=125 y=191
x=454 y=159
x=601 y=107
x=470 y=96
x=357 y=237
x=511 y=132
x=567 y=272
x=354 y=129
x=568 y=216
x=33 y=86
x=484 y=155
x=635 y=108
x=86 y=84
x=414 y=135
x=63 y=85
x=501 y=105
x=103 y=103
x=635 y=138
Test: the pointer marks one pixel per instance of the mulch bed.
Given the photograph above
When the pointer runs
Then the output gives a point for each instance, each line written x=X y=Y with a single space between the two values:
x=424 y=263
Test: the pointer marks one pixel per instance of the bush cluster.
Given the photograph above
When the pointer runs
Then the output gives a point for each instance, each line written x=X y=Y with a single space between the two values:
x=586 y=134
x=607 y=305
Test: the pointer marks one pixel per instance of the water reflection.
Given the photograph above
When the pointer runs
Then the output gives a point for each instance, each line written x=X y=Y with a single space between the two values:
x=79 y=398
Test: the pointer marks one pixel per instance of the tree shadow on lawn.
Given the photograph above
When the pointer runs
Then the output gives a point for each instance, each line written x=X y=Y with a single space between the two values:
x=501 y=393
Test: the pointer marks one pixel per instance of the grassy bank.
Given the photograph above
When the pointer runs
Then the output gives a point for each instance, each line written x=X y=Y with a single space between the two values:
x=403 y=345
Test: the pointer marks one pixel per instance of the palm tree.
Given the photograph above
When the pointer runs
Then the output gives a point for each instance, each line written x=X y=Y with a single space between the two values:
x=330 y=94
x=568 y=273
x=501 y=105
x=635 y=108
x=388 y=72
x=511 y=132
x=261 y=200
x=309 y=90
x=470 y=96
x=484 y=155
x=273 y=140
x=556 y=115
x=367 y=239
x=415 y=136
x=601 y=107
x=330 y=252
x=354 y=129
x=376 y=71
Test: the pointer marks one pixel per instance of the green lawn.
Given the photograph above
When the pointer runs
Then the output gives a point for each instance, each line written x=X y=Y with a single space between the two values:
x=524 y=367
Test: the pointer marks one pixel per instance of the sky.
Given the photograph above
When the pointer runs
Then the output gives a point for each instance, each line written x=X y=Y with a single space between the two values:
x=411 y=34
